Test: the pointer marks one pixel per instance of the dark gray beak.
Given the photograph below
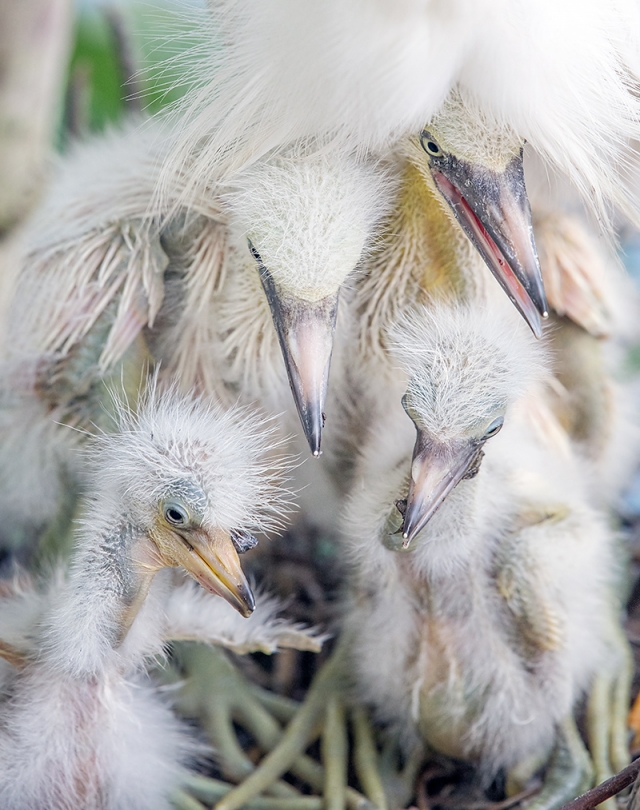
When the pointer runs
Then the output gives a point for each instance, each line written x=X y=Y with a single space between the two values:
x=305 y=333
x=436 y=469
x=493 y=210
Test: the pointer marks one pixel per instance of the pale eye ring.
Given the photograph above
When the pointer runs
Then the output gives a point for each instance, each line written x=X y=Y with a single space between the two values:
x=175 y=514
x=430 y=145
x=494 y=427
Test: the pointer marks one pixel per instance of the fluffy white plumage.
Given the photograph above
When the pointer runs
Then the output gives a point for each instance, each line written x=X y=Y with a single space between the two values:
x=82 y=724
x=559 y=74
x=463 y=367
x=102 y=223
x=107 y=738
x=310 y=216
x=231 y=454
x=475 y=638
x=109 y=282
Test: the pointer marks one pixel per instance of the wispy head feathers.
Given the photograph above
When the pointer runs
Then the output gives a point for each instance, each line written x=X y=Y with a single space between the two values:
x=465 y=366
x=230 y=456
x=309 y=216
x=561 y=75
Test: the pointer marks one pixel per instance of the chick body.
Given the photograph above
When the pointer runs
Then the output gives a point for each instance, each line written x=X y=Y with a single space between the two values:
x=481 y=636
x=83 y=724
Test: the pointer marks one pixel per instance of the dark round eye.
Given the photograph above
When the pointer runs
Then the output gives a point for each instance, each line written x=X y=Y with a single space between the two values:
x=175 y=514
x=494 y=427
x=430 y=145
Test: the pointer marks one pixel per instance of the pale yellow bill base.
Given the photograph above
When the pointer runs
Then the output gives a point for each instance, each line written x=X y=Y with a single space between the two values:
x=212 y=560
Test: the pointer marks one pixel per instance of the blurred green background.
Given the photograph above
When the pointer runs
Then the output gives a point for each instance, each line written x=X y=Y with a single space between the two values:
x=117 y=39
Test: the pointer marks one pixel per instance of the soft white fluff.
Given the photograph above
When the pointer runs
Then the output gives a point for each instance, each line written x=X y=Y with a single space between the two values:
x=483 y=636
x=99 y=239
x=559 y=74
x=82 y=726
x=109 y=280
x=476 y=639
x=310 y=216
x=107 y=739
x=229 y=454
x=464 y=365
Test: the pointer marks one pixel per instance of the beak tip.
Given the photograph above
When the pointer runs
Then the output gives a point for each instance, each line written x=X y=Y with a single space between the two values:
x=313 y=431
x=247 y=600
x=410 y=526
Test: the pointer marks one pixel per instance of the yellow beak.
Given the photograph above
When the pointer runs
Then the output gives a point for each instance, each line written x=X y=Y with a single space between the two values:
x=211 y=559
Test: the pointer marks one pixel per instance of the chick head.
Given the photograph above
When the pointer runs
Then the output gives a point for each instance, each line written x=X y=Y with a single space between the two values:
x=465 y=367
x=475 y=164
x=303 y=220
x=193 y=481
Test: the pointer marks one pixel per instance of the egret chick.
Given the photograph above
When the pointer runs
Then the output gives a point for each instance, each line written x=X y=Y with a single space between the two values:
x=421 y=257
x=101 y=255
x=182 y=484
x=308 y=219
x=475 y=540
x=438 y=509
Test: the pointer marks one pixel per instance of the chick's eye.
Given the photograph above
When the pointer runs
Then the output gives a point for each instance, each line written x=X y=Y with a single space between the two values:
x=429 y=145
x=175 y=514
x=494 y=428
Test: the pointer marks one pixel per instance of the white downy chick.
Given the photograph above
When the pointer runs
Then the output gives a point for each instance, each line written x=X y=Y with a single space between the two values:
x=104 y=264
x=83 y=726
x=482 y=598
x=109 y=284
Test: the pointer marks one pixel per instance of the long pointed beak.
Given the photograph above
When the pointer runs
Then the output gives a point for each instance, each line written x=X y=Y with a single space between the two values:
x=493 y=209
x=436 y=469
x=211 y=559
x=305 y=332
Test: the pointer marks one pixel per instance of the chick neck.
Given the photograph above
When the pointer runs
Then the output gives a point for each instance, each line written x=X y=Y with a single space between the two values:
x=109 y=578
x=423 y=255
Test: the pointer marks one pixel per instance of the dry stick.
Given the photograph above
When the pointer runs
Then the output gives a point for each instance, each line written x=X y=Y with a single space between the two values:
x=268 y=734
x=182 y=801
x=334 y=755
x=282 y=708
x=600 y=793
x=366 y=759
x=78 y=103
x=295 y=739
x=127 y=61
x=311 y=772
x=236 y=763
x=210 y=790
x=298 y=735
x=220 y=708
